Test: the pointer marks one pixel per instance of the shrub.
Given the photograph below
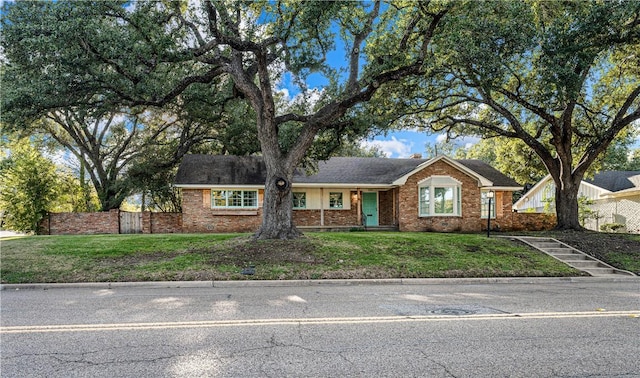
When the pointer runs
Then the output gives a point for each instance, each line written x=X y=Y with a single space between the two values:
x=612 y=227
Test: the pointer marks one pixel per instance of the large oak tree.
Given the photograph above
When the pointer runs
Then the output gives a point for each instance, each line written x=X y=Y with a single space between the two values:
x=148 y=53
x=562 y=77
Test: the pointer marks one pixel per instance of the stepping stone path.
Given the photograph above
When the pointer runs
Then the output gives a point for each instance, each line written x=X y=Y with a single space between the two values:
x=572 y=257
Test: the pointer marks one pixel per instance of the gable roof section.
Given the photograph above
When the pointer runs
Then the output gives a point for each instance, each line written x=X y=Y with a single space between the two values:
x=613 y=183
x=486 y=175
x=222 y=170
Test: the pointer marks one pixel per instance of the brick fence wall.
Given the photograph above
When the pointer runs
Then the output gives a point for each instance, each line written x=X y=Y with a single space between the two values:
x=108 y=222
x=523 y=222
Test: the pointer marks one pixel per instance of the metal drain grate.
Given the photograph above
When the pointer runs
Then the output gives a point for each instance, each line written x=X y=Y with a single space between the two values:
x=452 y=311
x=421 y=309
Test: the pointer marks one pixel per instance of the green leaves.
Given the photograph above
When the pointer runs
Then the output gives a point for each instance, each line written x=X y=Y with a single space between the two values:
x=28 y=187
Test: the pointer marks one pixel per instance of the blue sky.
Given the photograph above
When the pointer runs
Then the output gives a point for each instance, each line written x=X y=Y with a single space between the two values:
x=397 y=144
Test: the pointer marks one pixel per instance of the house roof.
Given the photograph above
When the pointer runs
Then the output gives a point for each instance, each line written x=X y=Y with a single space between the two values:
x=612 y=183
x=209 y=170
x=221 y=170
x=358 y=170
x=487 y=171
x=615 y=181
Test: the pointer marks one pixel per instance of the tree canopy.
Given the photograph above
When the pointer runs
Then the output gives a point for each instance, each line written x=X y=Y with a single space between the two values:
x=561 y=77
x=29 y=186
x=105 y=55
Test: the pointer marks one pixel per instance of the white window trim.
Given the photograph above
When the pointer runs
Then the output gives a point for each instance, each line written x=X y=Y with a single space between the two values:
x=341 y=201
x=433 y=182
x=226 y=190
x=483 y=215
x=294 y=203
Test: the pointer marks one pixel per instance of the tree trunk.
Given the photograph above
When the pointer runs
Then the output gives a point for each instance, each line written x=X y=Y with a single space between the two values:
x=567 y=205
x=277 y=217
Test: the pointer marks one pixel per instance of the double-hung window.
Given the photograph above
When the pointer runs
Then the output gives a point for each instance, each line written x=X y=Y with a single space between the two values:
x=234 y=199
x=484 y=206
x=439 y=196
x=299 y=200
x=335 y=200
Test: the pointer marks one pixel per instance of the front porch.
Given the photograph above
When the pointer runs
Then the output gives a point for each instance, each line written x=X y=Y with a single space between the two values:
x=370 y=209
x=354 y=228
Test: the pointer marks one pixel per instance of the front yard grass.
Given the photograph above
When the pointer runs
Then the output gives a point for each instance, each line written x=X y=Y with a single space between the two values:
x=171 y=257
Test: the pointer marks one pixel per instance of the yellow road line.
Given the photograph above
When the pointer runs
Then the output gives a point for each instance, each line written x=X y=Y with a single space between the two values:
x=310 y=321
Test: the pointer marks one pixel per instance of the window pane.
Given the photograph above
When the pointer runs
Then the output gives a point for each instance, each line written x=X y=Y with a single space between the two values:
x=443 y=200
x=335 y=200
x=484 y=206
x=299 y=200
x=424 y=201
x=218 y=198
x=235 y=198
x=250 y=198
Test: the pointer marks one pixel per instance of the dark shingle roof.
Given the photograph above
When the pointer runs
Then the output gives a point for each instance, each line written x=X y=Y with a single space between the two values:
x=250 y=170
x=355 y=170
x=487 y=171
x=614 y=181
x=221 y=170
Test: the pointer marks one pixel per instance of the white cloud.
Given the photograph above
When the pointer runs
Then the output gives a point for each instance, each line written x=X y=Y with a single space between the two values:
x=398 y=148
x=302 y=100
x=285 y=94
x=441 y=138
x=466 y=141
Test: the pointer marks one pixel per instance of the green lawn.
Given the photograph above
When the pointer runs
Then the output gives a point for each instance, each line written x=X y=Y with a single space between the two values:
x=109 y=258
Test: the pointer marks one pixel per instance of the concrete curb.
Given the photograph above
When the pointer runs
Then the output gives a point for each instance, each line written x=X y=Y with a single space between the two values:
x=299 y=283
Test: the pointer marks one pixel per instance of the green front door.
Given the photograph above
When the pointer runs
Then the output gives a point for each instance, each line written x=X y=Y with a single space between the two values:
x=370 y=208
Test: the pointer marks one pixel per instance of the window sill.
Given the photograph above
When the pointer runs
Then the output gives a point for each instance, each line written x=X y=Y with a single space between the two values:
x=233 y=212
x=440 y=216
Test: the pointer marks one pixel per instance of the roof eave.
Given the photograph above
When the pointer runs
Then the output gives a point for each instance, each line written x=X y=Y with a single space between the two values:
x=532 y=190
x=623 y=193
x=503 y=188
x=293 y=185
x=211 y=186
x=341 y=185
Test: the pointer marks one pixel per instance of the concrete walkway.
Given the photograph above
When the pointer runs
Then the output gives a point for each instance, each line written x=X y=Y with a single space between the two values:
x=572 y=257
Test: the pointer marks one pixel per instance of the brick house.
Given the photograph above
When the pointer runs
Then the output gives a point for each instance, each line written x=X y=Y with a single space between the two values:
x=225 y=194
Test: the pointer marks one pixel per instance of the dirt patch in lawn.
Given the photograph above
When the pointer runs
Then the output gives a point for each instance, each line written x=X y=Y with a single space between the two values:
x=247 y=251
x=619 y=250
x=599 y=243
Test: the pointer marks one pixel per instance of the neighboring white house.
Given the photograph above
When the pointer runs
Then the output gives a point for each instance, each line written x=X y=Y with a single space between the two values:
x=615 y=196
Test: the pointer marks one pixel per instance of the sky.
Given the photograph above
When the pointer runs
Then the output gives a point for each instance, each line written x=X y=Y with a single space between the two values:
x=397 y=144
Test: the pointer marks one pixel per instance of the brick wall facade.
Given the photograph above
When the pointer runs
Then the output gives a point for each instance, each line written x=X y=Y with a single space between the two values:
x=409 y=219
x=107 y=222
x=397 y=206
x=198 y=216
x=387 y=208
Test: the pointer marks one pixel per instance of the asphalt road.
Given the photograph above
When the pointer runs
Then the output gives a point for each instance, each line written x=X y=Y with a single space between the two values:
x=547 y=328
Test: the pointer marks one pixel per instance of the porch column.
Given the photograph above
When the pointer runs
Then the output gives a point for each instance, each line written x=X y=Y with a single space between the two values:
x=359 y=205
x=393 y=207
x=321 y=206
